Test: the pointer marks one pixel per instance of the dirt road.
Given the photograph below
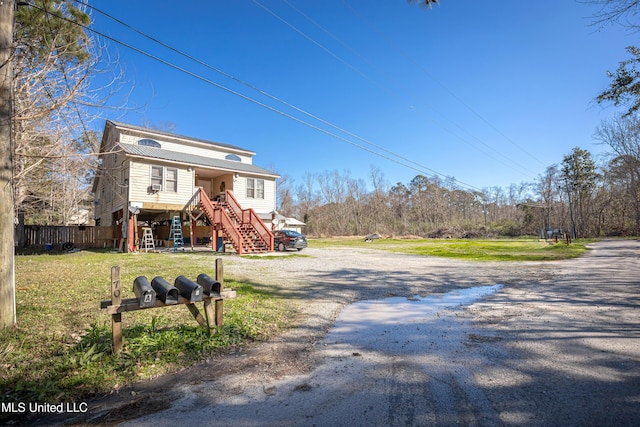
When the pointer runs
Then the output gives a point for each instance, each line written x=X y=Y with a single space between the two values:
x=554 y=344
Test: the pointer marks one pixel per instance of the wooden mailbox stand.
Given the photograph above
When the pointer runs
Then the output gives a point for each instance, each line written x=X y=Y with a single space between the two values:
x=213 y=306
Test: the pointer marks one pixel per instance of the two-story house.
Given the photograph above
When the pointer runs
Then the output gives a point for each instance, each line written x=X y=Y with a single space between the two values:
x=150 y=177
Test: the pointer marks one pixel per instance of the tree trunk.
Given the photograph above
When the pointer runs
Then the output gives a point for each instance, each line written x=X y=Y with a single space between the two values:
x=7 y=275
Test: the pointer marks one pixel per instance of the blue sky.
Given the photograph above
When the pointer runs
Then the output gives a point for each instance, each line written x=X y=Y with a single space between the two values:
x=490 y=93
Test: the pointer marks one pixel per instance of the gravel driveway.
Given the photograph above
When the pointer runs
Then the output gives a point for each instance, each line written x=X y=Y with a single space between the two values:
x=557 y=344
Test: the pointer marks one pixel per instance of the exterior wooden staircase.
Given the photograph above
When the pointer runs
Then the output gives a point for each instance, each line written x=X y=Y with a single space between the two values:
x=242 y=227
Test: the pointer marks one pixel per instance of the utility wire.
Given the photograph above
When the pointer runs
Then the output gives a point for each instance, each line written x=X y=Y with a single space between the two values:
x=261 y=104
x=420 y=168
x=445 y=88
x=521 y=169
x=328 y=51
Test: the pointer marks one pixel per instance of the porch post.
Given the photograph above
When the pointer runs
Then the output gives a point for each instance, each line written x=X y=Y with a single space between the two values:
x=193 y=231
x=131 y=243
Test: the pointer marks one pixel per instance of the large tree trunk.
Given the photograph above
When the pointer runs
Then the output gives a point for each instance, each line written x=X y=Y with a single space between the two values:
x=7 y=275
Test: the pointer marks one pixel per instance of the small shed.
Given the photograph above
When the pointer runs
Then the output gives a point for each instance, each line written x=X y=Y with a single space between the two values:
x=282 y=222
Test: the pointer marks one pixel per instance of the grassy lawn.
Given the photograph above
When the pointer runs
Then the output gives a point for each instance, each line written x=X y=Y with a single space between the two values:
x=468 y=249
x=61 y=350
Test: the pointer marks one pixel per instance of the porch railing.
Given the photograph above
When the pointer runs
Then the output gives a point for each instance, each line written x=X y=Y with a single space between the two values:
x=220 y=216
x=194 y=201
x=229 y=228
x=249 y=216
x=231 y=225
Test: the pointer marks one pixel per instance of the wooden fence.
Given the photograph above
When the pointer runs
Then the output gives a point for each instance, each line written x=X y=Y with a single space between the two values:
x=40 y=236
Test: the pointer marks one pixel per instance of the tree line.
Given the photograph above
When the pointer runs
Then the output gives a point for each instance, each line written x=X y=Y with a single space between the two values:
x=576 y=196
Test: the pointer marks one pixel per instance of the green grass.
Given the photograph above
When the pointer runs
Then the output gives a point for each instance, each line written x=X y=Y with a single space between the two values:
x=471 y=249
x=61 y=350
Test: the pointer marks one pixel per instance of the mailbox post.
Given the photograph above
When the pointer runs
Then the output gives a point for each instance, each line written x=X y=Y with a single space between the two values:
x=116 y=318
x=160 y=293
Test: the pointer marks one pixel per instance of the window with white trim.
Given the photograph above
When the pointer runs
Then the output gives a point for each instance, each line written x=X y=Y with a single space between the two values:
x=255 y=188
x=156 y=175
x=171 y=180
x=167 y=178
x=259 y=188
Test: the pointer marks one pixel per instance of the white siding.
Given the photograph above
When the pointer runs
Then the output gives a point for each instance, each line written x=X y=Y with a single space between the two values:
x=115 y=194
x=267 y=204
x=141 y=180
x=202 y=149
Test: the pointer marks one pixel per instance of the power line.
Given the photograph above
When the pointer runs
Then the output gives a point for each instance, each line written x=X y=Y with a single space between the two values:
x=420 y=167
x=445 y=88
x=342 y=43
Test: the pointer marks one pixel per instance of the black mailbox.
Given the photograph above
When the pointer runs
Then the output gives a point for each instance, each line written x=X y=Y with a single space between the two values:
x=188 y=289
x=210 y=286
x=165 y=292
x=144 y=292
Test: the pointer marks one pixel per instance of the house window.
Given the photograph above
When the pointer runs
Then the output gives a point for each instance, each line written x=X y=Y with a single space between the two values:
x=149 y=143
x=255 y=188
x=156 y=175
x=259 y=188
x=233 y=157
x=171 y=182
x=166 y=178
x=251 y=190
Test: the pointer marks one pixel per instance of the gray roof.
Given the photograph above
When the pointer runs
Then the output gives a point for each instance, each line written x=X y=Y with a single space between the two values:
x=192 y=159
x=174 y=135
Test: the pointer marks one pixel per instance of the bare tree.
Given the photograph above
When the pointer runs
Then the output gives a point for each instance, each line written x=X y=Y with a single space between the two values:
x=334 y=215
x=306 y=201
x=378 y=206
x=622 y=136
x=400 y=208
x=356 y=202
x=621 y=12
x=548 y=187
x=55 y=104
x=285 y=195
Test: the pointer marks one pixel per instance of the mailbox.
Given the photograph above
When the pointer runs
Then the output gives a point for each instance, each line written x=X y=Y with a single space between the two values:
x=188 y=289
x=144 y=292
x=165 y=292
x=210 y=286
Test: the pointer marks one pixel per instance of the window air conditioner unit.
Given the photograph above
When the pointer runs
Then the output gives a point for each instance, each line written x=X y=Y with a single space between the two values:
x=156 y=187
